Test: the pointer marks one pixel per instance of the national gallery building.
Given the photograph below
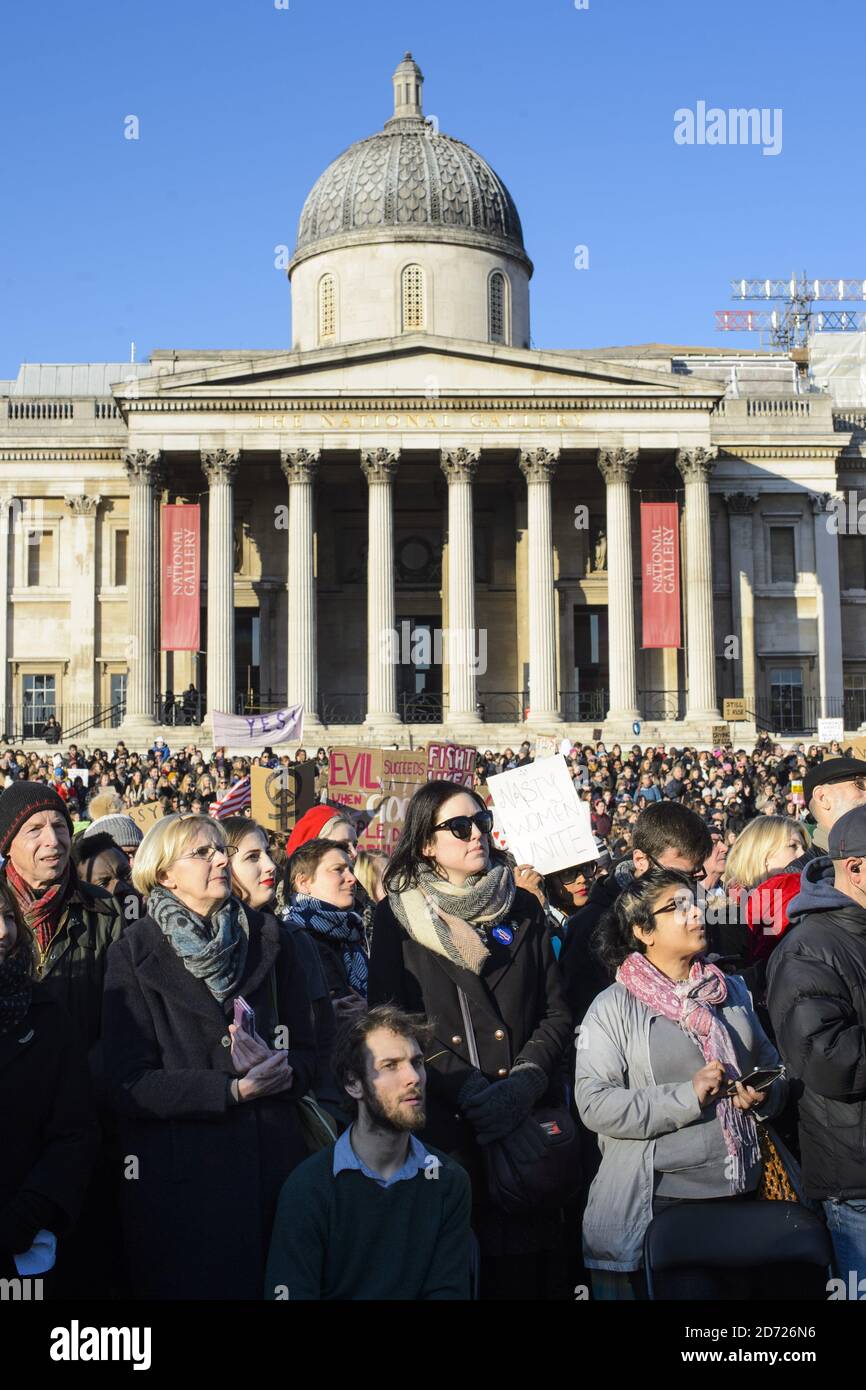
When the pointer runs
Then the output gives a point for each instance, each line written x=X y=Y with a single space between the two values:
x=413 y=521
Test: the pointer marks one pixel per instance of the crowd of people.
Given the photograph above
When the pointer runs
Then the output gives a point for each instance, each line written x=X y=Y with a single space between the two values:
x=238 y=1065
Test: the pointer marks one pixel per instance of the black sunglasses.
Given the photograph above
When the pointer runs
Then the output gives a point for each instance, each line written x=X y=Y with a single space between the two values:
x=695 y=874
x=461 y=826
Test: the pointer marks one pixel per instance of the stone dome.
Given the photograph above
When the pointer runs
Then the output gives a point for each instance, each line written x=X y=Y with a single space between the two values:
x=410 y=183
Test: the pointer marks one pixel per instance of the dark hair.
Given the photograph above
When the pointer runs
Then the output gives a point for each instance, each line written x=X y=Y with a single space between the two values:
x=24 y=942
x=555 y=884
x=306 y=860
x=88 y=846
x=614 y=938
x=422 y=815
x=350 y=1053
x=668 y=825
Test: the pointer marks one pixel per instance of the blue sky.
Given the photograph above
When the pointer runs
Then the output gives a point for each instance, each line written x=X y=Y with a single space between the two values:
x=169 y=240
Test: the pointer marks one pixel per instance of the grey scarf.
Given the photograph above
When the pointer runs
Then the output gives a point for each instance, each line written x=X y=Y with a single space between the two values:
x=451 y=921
x=213 y=949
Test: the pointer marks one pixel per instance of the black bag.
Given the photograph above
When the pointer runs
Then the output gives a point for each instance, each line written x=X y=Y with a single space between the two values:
x=548 y=1181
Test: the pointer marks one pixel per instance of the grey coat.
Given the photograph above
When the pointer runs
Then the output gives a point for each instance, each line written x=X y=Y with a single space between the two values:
x=619 y=1100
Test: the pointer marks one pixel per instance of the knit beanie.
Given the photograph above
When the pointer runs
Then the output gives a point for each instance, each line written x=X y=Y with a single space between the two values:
x=22 y=800
x=122 y=829
x=310 y=826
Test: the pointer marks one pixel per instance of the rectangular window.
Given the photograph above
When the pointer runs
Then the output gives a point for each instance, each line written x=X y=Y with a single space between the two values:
x=852 y=555
x=782 y=563
x=118 y=697
x=121 y=550
x=40 y=703
x=40 y=558
x=786 y=699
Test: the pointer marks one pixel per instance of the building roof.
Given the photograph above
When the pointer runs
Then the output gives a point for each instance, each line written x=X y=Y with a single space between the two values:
x=72 y=378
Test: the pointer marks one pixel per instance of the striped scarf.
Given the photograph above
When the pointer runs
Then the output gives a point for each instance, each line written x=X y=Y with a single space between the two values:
x=41 y=910
x=342 y=927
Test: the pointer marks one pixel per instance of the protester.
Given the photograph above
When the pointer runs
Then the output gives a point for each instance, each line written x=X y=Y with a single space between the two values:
x=325 y=823
x=321 y=883
x=835 y=786
x=765 y=847
x=207 y=1107
x=817 y=1001
x=656 y=1052
x=362 y=1219
x=459 y=942
x=48 y=1152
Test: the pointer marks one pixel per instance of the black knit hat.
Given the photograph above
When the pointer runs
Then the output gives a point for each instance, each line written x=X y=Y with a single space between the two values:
x=23 y=800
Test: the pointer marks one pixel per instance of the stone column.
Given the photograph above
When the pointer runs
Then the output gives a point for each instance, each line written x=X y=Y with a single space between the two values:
x=300 y=467
x=538 y=467
x=379 y=467
x=145 y=474
x=741 y=507
x=617 y=467
x=460 y=466
x=829 y=604
x=695 y=466
x=82 y=590
x=5 y=610
x=220 y=467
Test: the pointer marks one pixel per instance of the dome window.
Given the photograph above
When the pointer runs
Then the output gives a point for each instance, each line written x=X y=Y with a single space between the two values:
x=497 y=308
x=412 y=283
x=327 y=309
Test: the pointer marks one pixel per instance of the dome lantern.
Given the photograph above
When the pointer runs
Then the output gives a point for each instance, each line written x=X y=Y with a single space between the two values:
x=408 y=81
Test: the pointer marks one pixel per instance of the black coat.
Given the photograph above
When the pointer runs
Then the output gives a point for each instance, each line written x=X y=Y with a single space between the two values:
x=817 y=1001
x=584 y=975
x=516 y=1006
x=48 y=1128
x=198 y=1215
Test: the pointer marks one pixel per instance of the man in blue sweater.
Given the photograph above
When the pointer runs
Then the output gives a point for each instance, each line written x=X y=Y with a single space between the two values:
x=378 y=1214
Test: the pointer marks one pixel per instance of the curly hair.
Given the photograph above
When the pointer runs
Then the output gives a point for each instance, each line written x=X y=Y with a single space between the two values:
x=614 y=937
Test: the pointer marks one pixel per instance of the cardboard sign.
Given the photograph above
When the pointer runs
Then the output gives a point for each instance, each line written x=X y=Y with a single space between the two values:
x=830 y=730
x=546 y=823
x=734 y=711
x=403 y=772
x=272 y=802
x=546 y=747
x=451 y=762
x=146 y=814
x=720 y=736
x=377 y=784
x=858 y=748
x=796 y=793
x=596 y=738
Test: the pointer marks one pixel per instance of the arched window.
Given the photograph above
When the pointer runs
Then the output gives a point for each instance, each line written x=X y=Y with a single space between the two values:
x=327 y=308
x=497 y=310
x=413 y=298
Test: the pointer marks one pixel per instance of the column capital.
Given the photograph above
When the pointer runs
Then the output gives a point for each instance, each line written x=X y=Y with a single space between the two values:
x=696 y=465
x=143 y=466
x=741 y=503
x=300 y=465
x=220 y=465
x=539 y=465
x=380 y=465
x=80 y=504
x=617 y=465
x=459 y=465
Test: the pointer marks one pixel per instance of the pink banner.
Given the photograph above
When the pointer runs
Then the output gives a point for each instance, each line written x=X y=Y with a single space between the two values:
x=660 y=568
x=181 y=574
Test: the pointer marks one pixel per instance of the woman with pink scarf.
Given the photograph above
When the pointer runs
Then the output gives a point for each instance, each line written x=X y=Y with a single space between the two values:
x=655 y=1056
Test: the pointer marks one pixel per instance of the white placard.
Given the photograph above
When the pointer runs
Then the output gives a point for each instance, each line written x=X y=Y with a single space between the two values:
x=830 y=729
x=545 y=822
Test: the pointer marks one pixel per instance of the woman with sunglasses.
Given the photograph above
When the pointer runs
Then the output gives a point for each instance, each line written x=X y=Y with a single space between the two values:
x=658 y=1062
x=206 y=1094
x=458 y=941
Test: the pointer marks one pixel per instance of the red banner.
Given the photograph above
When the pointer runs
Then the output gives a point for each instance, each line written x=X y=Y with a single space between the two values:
x=181 y=575
x=660 y=568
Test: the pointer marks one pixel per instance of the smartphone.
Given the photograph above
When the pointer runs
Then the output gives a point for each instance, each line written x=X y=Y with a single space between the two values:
x=760 y=1079
x=245 y=1017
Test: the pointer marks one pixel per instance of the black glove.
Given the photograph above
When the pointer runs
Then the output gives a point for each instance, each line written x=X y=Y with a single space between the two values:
x=505 y=1104
x=527 y=1142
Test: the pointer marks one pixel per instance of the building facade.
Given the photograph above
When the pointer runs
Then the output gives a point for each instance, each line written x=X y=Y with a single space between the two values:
x=414 y=518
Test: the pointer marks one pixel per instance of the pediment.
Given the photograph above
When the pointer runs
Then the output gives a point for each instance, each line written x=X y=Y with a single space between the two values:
x=417 y=365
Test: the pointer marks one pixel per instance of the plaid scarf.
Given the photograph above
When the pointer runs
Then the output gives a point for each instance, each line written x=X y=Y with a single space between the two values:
x=213 y=949
x=41 y=909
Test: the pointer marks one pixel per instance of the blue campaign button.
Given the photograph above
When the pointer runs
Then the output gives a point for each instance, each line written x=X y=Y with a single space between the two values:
x=503 y=934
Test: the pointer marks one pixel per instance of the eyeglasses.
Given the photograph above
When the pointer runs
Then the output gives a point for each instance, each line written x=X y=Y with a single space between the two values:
x=207 y=852
x=684 y=907
x=695 y=874
x=461 y=826
x=859 y=783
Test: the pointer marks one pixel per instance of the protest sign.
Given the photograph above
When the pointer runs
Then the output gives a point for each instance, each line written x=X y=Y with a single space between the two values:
x=830 y=729
x=355 y=781
x=256 y=731
x=451 y=762
x=146 y=814
x=272 y=803
x=544 y=820
x=721 y=736
x=734 y=711
x=547 y=747
x=858 y=748
x=497 y=834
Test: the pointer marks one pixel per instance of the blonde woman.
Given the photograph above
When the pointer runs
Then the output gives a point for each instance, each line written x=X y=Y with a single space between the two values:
x=767 y=845
x=207 y=1100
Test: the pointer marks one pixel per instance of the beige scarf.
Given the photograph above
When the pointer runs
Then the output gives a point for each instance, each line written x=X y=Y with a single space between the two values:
x=451 y=921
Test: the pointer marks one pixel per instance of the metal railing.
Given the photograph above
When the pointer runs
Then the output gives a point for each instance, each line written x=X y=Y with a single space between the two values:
x=179 y=709
x=583 y=706
x=501 y=706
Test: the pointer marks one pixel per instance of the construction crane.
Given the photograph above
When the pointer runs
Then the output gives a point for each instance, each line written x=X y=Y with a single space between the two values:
x=791 y=325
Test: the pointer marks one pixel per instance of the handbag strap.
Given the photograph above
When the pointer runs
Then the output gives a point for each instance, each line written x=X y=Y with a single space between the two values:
x=468 y=1028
